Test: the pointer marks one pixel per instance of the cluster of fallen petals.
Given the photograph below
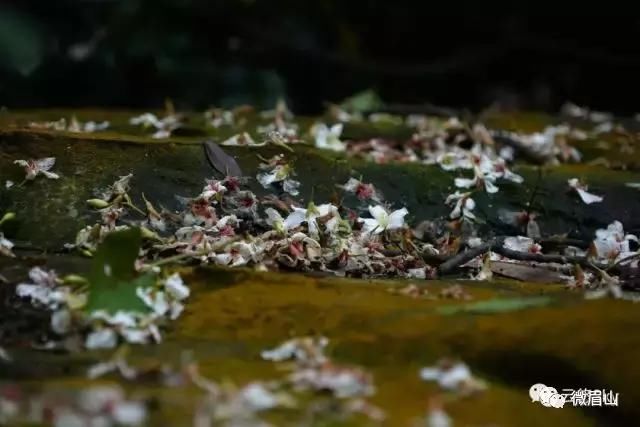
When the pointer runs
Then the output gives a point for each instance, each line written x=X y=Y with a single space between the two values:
x=73 y=125
x=309 y=378
x=99 y=405
x=227 y=224
x=102 y=329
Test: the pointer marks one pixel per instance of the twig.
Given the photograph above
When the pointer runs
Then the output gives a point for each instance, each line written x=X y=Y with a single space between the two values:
x=623 y=260
x=563 y=241
x=496 y=245
x=542 y=258
x=462 y=258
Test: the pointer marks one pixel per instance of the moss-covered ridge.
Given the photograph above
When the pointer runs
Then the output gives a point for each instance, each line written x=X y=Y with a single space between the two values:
x=51 y=212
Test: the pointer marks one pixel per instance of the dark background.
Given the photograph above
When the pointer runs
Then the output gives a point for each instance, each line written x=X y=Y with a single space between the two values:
x=135 y=53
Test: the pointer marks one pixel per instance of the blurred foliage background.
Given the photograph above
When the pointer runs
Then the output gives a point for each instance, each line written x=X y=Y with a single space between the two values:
x=135 y=53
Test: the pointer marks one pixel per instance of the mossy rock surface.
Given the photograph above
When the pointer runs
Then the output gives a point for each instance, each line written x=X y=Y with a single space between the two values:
x=511 y=334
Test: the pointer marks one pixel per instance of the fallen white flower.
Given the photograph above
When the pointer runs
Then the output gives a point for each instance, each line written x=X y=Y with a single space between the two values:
x=176 y=287
x=456 y=377
x=342 y=382
x=310 y=216
x=612 y=244
x=521 y=244
x=464 y=205
x=328 y=138
x=154 y=299
x=41 y=294
x=305 y=350
x=581 y=188
x=382 y=220
x=258 y=398
x=33 y=168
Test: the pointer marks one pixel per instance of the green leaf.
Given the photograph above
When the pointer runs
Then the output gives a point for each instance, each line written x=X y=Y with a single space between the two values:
x=498 y=305
x=113 y=280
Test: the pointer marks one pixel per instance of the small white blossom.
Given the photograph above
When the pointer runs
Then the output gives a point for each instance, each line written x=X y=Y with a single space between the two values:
x=258 y=398
x=309 y=215
x=522 y=244
x=581 y=189
x=154 y=299
x=306 y=350
x=176 y=287
x=278 y=171
x=163 y=127
x=33 y=168
x=328 y=138
x=612 y=244
x=341 y=381
x=464 y=205
x=452 y=377
x=382 y=220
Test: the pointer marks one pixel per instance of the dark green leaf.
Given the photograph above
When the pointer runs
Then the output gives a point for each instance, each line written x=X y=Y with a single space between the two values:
x=113 y=280
x=221 y=161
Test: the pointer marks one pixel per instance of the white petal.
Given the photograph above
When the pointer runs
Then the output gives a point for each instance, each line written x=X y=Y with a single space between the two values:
x=258 y=397
x=176 y=288
x=336 y=130
x=61 y=322
x=417 y=273
x=490 y=187
x=100 y=369
x=469 y=204
x=223 y=259
x=295 y=218
x=465 y=182
x=573 y=182
x=273 y=217
x=588 y=198
x=396 y=219
x=457 y=210
x=352 y=185
x=430 y=374
x=371 y=226
x=100 y=339
x=513 y=177
x=46 y=163
x=50 y=175
x=135 y=335
x=291 y=186
x=326 y=209
x=129 y=413
x=379 y=213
